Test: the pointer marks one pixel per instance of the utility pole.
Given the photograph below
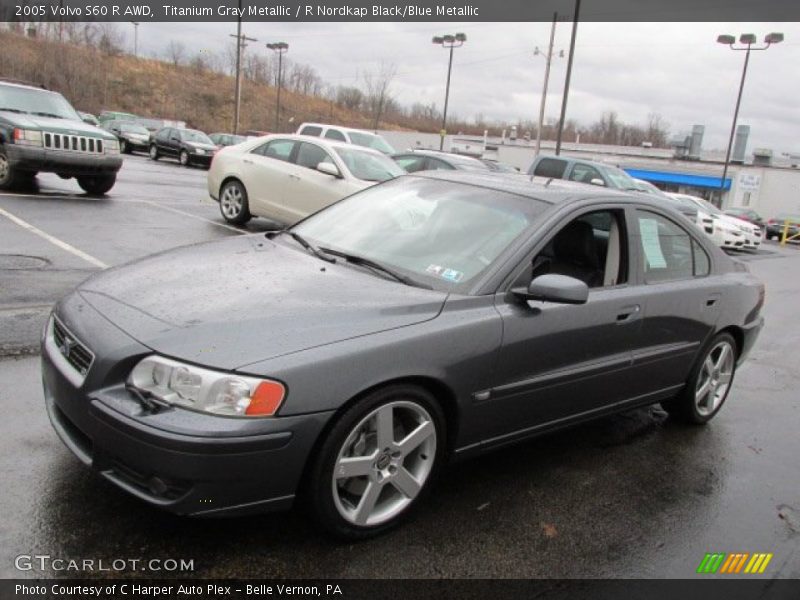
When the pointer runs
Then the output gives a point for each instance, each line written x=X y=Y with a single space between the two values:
x=549 y=58
x=280 y=48
x=569 y=75
x=448 y=41
x=240 y=39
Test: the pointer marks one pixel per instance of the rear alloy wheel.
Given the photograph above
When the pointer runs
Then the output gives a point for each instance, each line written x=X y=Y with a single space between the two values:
x=709 y=384
x=377 y=462
x=233 y=203
x=184 y=158
x=153 y=152
x=97 y=185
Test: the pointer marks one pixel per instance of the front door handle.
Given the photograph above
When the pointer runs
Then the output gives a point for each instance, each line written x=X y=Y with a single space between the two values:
x=247 y=161
x=294 y=177
x=628 y=314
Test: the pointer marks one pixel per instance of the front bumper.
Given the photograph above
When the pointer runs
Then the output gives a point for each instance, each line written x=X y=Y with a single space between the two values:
x=182 y=461
x=74 y=164
x=200 y=159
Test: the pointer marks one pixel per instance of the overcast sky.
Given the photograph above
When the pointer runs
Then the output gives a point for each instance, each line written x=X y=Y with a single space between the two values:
x=674 y=69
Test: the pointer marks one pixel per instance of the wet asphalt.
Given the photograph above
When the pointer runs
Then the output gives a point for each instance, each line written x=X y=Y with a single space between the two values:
x=634 y=495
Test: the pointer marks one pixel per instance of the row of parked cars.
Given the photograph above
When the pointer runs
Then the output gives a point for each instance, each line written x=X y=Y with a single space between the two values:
x=287 y=177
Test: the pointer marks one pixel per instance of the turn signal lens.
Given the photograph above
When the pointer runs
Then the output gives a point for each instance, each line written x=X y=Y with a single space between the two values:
x=267 y=398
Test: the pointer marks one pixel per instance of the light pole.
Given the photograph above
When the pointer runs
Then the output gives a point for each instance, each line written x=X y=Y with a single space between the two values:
x=135 y=39
x=448 y=41
x=746 y=41
x=280 y=48
x=548 y=58
x=565 y=97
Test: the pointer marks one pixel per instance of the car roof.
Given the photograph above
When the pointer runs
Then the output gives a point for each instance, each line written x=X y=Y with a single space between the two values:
x=552 y=191
x=340 y=127
x=320 y=141
x=26 y=86
x=463 y=158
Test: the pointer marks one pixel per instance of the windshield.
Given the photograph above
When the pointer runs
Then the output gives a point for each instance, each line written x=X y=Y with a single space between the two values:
x=129 y=128
x=369 y=140
x=620 y=179
x=369 y=166
x=198 y=137
x=36 y=102
x=438 y=233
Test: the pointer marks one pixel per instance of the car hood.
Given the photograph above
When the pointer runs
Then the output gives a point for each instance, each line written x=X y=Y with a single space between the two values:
x=238 y=301
x=56 y=125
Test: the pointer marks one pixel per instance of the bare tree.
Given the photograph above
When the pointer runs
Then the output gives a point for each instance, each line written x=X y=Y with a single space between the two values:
x=176 y=53
x=377 y=87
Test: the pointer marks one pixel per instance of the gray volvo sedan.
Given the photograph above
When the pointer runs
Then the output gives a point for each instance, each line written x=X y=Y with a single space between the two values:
x=346 y=359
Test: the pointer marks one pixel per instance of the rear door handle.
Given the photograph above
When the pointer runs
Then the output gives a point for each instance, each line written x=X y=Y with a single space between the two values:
x=247 y=161
x=294 y=177
x=628 y=314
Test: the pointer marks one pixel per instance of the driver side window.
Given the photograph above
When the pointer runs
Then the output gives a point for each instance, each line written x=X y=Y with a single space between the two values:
x=593 y=248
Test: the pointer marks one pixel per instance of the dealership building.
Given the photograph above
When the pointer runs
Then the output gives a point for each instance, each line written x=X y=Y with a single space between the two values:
x=761 y=180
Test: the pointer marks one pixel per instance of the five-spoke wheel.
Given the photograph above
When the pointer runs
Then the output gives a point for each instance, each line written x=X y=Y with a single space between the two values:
x=709 y=383
x=377 y=461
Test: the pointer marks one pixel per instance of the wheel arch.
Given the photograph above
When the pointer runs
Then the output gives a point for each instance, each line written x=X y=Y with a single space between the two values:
x=738 y=336
x=227 y=179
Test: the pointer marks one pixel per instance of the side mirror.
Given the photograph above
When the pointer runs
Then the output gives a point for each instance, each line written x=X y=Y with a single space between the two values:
x=329 y=169
x=88 y=119
x=598 y=181
x=555 y=288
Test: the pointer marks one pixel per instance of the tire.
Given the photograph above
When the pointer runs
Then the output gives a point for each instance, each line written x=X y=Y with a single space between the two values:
x=233 y=203
x=709 y=383
x=386 y=481
x=153 y=152
x=97 y=185
x=124 y=148
x=10 y=177
x=184 y=158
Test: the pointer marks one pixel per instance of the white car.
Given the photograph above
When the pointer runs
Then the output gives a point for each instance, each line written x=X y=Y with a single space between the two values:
x=285 y=178
x=359 y=137
x=726 y=231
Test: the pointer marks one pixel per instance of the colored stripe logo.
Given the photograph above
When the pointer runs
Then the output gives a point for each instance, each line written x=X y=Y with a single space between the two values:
x=734 y=563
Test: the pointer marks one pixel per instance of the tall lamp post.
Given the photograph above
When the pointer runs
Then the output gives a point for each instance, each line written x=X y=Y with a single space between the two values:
x=280 y=48
x=548 y=57
x=135 y=38
x=746 y=44
x=448 y=41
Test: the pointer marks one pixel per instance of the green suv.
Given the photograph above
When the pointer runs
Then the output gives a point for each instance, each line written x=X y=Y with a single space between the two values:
x=40 y=131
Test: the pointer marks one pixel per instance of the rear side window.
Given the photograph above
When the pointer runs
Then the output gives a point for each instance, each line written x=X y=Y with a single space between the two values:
x=411 y=163
x=311 y=130
x=278 y=149
x=310 y=155
x=551 y=168
x=163 y=135
x=434 y=164
x=669 y=253
x=334 y=134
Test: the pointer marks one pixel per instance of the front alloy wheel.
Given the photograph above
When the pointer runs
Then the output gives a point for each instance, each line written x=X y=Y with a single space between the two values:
x=709 y=383
x=9 y=177
x=233 y=203
x=377 y=461
x=123 y=146
x=153 y=152
x=184 y=158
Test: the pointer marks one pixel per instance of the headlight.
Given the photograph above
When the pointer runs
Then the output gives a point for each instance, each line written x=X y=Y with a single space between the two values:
x=111 y=146
x=27 y=137
x=205 y=390
x=199 y=151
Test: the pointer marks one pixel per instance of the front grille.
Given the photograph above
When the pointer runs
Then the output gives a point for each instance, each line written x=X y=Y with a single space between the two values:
x=72 y=349
x=73 y=143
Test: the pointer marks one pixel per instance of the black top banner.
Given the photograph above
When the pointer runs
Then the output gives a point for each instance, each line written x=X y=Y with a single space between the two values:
x=400 y=10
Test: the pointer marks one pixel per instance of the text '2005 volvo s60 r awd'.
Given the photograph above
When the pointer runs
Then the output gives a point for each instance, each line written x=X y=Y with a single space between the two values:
x=346 y=358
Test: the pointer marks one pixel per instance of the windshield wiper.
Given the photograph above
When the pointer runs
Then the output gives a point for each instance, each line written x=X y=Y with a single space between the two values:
x=309 y=246
x=15 y=110
x=47 y=114
x=368 y=262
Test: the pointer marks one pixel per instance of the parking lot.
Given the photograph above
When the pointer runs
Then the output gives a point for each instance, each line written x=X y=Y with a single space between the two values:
x=633 y=495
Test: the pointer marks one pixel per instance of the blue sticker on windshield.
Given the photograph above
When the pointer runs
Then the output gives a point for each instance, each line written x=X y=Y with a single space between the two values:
x=452 y=275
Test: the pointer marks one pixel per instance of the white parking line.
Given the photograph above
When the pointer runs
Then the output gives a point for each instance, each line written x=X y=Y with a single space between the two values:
x=187 y=214
x=54 y=240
